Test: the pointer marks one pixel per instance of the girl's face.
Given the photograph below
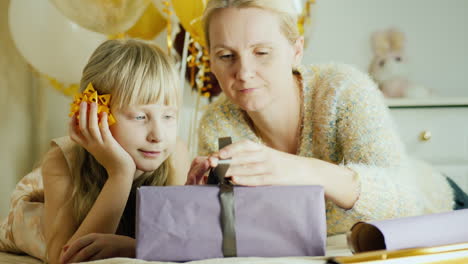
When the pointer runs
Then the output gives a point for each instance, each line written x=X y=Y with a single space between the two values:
x=147 y=132
x=251 y=57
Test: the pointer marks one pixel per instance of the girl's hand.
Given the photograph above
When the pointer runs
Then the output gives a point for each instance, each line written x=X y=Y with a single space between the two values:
x=98 y=140
x=98 y=246
x=199 y=168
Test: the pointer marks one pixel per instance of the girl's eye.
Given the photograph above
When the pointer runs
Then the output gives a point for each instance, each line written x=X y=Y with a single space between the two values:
x=141 y=117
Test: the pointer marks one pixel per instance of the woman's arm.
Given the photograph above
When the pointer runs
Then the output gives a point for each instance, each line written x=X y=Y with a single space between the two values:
x=180 y=162
x=369 y=144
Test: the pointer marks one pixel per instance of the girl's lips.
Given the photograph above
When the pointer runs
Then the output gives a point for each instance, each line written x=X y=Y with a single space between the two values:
x=150 y=154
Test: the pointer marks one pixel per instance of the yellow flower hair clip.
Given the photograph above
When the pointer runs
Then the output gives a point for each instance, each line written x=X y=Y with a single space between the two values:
x=90 y=95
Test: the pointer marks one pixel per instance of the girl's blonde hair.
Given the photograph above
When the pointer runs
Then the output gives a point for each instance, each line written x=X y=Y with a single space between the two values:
x=133 y=72
x=282 y=8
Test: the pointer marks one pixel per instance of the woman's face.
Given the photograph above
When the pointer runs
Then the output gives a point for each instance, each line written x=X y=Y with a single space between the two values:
x=251 y=57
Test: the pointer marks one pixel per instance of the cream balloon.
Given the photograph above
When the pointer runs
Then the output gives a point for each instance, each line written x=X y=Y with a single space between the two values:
x=103 y=16
x=50 y=42
x=298 y=6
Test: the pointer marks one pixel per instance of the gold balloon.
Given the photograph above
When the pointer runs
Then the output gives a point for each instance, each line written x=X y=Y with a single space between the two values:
x=103 y=16
x=150 y=24
x=190 y=14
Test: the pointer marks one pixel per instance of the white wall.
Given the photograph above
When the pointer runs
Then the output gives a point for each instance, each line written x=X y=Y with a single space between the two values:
x=436 y=37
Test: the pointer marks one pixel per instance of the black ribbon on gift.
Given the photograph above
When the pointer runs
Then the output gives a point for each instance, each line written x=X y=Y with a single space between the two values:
x=226 y=199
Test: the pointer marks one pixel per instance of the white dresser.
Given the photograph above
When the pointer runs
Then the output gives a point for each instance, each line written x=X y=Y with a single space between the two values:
x=437 y=132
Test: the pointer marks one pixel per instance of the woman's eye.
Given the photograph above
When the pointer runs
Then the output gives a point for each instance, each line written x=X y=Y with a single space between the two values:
x=226 y=56
x=262 y=53
x=169 y=117
x=141 y=117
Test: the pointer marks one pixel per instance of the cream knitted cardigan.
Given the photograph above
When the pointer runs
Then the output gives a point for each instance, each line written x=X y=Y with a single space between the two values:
x=346 y=122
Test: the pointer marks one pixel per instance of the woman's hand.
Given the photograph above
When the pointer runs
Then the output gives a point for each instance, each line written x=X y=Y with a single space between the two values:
x=98 y=246
x=199 y=168
x=98 y=140
x=254 y=164
x=251 y=164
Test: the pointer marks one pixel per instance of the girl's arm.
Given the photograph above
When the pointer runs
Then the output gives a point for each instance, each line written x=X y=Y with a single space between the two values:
x=59 y=224
x=104 y=216
x=98 y=245
x=60 y=227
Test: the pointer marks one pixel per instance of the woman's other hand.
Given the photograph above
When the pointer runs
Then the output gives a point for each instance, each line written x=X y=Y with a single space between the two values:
x=199 y=169
x=98 y=246
x=98 y=140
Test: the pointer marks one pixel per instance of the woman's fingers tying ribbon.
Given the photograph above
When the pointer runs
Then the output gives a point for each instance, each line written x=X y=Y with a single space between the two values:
x=241 y=147
x=254 y=164
x=251 y=164
x=199 y=169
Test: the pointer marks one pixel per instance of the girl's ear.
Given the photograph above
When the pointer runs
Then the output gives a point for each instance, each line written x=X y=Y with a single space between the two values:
x=298 y=50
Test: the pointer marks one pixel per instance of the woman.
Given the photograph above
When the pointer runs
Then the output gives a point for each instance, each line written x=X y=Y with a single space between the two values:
x=322 y=124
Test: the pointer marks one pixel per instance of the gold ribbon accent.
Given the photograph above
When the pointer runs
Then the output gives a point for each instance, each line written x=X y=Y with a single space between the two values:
x=90 y=95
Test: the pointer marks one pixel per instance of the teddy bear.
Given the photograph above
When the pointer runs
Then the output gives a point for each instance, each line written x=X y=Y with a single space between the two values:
x=389 y=67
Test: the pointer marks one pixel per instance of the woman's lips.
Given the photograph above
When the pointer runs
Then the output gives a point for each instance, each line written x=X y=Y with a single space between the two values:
x=247 y=90
x=150 y=154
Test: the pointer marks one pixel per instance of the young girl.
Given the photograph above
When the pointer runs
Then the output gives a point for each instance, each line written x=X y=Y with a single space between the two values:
x=90 y=178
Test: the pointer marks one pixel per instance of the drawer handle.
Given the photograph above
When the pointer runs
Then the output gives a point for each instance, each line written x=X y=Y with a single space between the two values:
x=425 y=136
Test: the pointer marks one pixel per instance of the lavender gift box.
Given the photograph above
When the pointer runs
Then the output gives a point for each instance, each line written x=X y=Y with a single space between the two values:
x=182 y=223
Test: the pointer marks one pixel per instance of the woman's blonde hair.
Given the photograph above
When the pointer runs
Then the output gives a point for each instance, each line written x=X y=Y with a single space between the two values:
x=133 y=72
x=282 y=8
